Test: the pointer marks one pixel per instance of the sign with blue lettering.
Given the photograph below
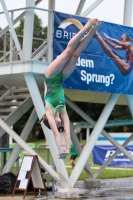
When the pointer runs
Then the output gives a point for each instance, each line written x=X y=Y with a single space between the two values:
x=102 y=153
x=107 y=62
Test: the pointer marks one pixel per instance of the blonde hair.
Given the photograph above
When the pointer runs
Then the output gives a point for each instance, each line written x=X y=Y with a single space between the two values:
x=128 y=38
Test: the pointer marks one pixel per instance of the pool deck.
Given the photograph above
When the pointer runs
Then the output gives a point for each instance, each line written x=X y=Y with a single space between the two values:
x=111 y=189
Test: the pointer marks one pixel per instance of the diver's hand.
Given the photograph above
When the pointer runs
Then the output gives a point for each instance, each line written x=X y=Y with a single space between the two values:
x=106 y=35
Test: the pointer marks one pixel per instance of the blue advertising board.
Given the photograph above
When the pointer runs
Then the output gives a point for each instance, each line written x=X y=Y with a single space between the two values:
x=102 y=153
x=106 y=63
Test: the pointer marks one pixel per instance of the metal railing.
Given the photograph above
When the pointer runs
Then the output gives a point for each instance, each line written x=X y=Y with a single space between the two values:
x=8 y=51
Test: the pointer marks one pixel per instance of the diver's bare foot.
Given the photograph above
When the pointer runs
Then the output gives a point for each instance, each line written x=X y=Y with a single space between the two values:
x=94 y=29
x=98 y=23
x=91 y=22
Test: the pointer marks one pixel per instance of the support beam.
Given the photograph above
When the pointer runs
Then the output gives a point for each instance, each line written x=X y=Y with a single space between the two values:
x=11 y=40
x=78 y=148
x=80 y=7
x=51 y=6
x=104 y=133
x=4 y=48
x=8 y=92
x=93 y=138
x=112 y=157
x=23 y=144
x=41 y=51
x=91 y=8
x=87 y=133
x=28 y=30
x=92 y=122
x=129 y=99
x=24 y=135
x=127 y=12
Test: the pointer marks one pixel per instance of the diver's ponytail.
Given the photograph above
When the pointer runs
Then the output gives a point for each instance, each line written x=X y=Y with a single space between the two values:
x=130 y=39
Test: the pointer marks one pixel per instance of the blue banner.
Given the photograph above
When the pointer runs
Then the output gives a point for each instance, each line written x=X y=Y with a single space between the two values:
x=102 y=153
x=107 y=62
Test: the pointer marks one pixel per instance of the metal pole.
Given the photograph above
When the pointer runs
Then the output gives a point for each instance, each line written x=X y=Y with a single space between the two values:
x=40 y=53
x=4 y=48
x=50 y=37
x=112 y=157
x=91 y=8
x=2 y=160
x=129 y=99
x=53 y=181
x=23 y=144
x=87 y=133
x=93 y=138
x=78 y=148
x=127 y=13
x=51 y=6
x=11 y=39
x=80 y=7
x=24 y=135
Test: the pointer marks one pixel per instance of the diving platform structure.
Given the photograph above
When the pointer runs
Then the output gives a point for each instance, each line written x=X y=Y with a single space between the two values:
x=23 y=79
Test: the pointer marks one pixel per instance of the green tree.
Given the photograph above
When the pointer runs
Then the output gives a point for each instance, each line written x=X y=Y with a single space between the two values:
x=92 y=109
x=120 y=112
x=39 y=32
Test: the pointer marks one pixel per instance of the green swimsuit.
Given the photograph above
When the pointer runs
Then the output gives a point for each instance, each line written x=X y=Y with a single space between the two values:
x=55 y=93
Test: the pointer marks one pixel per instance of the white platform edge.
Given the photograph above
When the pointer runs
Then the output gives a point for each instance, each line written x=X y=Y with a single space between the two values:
x=25 y=66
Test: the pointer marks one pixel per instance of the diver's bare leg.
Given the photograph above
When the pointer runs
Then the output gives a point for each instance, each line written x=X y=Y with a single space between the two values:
x=119 y=62
x=58 y=64
x=64 y=117
x=71 y=64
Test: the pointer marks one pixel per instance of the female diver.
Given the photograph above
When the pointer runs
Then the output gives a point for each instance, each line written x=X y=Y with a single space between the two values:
x=58 y=71
x=125 y=67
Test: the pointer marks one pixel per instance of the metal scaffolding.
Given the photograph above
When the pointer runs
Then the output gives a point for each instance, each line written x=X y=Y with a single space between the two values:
x=29 y=71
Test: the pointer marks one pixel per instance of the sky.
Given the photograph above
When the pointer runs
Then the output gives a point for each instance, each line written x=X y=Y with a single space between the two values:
x=108 y=10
